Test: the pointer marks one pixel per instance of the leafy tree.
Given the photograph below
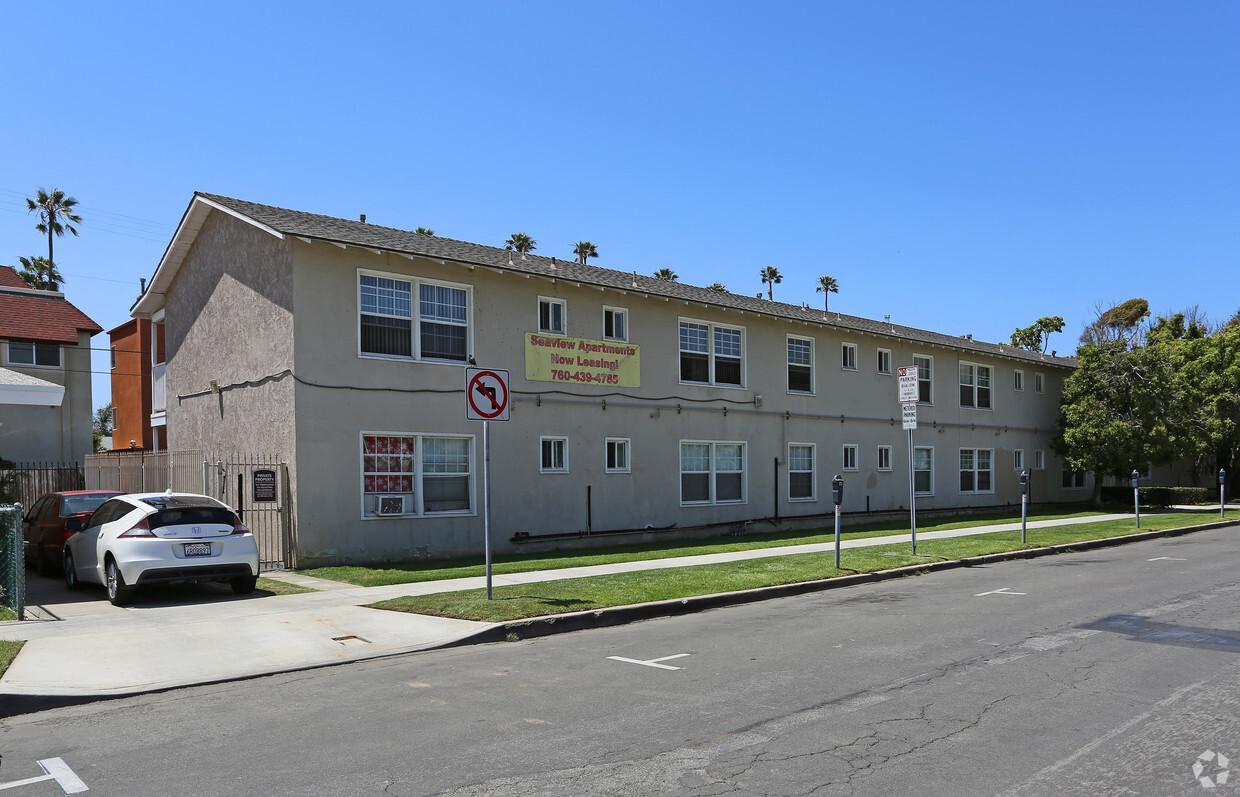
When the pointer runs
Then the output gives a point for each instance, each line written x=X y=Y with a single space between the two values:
x=40 y=273
x=1121 y=322
x=10 y=481
x=1211 y=375
x=827 y=286
x=425 y=231
x=102 y=423
x=719 y=287
x=585 y=250
x=1037 y=336
x=666 y=274
x=55 y=215
x=770 y=276
x=521 y=242
x=1123 y=407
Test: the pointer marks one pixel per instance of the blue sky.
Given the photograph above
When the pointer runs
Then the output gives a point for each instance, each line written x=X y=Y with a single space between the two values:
x=963 y=167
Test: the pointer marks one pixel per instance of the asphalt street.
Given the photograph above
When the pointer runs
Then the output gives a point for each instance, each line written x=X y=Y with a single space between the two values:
x=1102 y=673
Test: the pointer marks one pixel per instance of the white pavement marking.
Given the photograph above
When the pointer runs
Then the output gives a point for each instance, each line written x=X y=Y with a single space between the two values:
x=1167 y=558
x=56 y=770
x=1000 y=591
x=652 y=662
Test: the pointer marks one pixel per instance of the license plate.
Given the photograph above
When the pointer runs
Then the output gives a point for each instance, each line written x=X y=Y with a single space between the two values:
x=198 y=549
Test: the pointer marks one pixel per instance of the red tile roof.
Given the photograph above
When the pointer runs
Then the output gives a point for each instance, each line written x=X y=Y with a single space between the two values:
x=44 y=319
x=9 y=278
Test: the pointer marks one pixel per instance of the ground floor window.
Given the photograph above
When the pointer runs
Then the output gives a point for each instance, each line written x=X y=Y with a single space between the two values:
x=884 y=457
x=1073 y=479
x=416 y=474
x=850 y=457
x=712 y=473
x=923 y=471
x=554 y=455
x=617 y=455
x=975 y=470
x=800 y=472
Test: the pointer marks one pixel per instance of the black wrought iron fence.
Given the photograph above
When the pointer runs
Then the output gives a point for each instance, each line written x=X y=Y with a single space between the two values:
x=27 y=481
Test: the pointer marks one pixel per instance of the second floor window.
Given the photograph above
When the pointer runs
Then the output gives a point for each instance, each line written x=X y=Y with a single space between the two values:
x=615 y=323
x=389 y=318
x=925 y=368
x=848 y=356
x=551 y=316
x=800 y=365
x=711 y=354
x=21 y=353
x=975 y=386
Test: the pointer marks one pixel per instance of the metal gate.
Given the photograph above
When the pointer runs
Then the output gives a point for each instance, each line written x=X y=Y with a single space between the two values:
x=258 y=488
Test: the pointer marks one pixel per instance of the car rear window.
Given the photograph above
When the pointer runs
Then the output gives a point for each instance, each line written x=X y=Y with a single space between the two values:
x=190 y=516
x=73 y=504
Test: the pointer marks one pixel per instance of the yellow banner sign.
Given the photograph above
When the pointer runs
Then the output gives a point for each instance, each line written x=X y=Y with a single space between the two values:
x=549 y=358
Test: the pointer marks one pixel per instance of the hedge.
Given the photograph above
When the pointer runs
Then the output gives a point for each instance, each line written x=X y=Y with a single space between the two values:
x=1159 y=496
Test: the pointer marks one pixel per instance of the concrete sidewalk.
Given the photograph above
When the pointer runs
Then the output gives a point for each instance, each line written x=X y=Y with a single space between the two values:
x=80 y=646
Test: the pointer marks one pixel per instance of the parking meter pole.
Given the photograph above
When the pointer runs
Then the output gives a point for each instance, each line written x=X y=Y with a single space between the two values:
x=837 y=496
x=1024 y=504
x=486 y=501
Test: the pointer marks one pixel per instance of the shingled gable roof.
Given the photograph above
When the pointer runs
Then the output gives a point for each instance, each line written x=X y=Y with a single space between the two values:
x=311 y=227
x=40 y=316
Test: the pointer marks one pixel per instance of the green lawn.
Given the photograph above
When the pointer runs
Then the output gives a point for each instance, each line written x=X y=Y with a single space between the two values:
x=7 y=614
x=438 y=570
x=570 y=595
x=276 y=587
x=8 y=652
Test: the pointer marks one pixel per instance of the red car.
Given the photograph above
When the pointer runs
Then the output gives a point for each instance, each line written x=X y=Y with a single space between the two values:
x=43 y=527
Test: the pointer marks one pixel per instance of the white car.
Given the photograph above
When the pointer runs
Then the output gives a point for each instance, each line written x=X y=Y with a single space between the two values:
x=147 y=538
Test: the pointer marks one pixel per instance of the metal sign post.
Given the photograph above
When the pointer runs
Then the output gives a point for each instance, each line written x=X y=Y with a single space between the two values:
x=486 y=400
x=907 y=381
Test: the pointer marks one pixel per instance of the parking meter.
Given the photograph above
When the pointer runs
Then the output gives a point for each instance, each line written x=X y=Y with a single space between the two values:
x=1024 y=482
x=837 y=495
x=1136 y=479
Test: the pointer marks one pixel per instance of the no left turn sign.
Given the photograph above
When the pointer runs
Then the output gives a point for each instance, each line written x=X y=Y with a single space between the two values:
x=486 y=394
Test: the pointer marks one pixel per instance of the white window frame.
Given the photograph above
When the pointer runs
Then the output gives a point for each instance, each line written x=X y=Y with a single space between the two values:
x=1039 y=460
x=113 y=357
x=714 y=472
x=791 y=364
x=415 y=317
x=976 y=470
x=618 y=443
x=813 y=472
x=884 y=355
x=563 y=446
x=1018 y=459
x=416 y=507
x=925 y=374
x=848 y=356
x=1018 y=380
x=711 y=353
x=884 y=450
x=621 y=312
x=1039 y=382
x=849 y=454
x=35 y=346
x=975 y=374
x=551 y=302
x=929 y=470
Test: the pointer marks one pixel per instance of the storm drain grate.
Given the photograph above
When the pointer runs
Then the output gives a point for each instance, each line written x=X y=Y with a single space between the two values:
x=350 y=640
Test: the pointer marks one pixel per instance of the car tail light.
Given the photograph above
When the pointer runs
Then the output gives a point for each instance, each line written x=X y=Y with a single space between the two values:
x=239 y=527
x=140 y=529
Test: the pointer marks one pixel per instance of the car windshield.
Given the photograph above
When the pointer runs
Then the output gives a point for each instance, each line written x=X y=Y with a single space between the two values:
x=73 y=504
x=191 y=516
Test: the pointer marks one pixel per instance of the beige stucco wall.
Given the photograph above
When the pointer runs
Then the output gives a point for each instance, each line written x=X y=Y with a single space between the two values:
x=52 y=434
x=229 y=318
x=342 y=394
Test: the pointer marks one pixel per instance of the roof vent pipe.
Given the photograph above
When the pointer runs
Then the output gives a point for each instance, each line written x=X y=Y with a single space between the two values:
x=142 y=284
x=363 y=218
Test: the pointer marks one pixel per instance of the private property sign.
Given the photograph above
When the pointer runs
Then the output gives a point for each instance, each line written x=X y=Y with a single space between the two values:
x=906 y=375
x=551 y=358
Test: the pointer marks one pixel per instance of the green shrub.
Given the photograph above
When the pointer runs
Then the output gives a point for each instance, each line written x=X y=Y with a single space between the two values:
x=1158 y=496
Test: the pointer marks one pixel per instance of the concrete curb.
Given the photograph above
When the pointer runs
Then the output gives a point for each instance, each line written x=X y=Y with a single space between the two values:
x=623 y=615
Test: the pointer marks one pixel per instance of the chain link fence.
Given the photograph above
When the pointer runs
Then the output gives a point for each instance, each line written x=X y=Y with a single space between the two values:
x=12 y=560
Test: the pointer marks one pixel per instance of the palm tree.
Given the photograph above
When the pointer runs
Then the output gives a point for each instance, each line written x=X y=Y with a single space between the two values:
x=55 y=215
x=425 y=231
x=718 y=287
x=770 y=275
x=584 y=250
x=521 y=243
x=40 y=273
x=666 y=274
x=827 y=286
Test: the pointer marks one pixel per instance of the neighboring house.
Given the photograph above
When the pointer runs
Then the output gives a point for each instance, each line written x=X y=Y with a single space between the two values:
x=45 y=401
x=634 y=402
x=137 y=351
